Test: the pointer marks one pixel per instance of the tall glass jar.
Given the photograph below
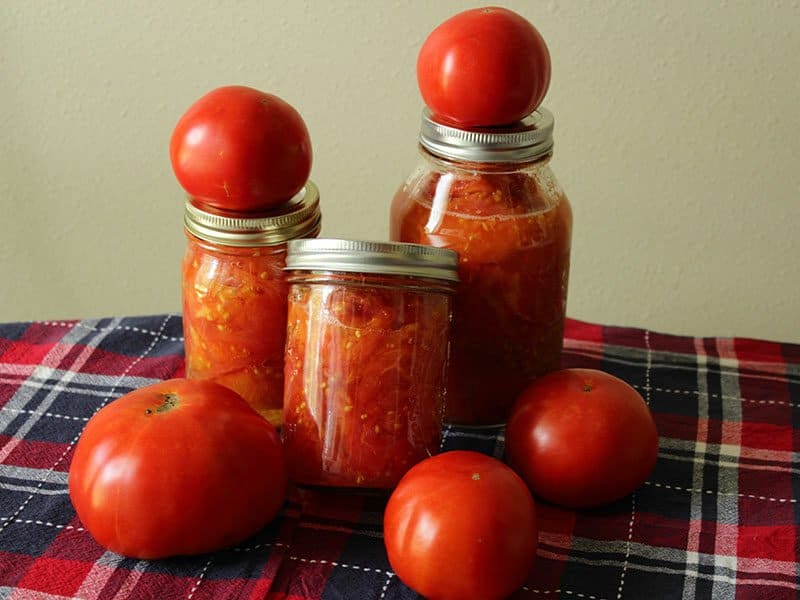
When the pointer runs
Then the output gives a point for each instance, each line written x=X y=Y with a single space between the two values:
x=235 y=295
x=489 y=194
x=366 y=353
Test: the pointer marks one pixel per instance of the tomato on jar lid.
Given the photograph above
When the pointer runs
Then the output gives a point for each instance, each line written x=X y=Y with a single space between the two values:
x=483 y=67
x=241 y=149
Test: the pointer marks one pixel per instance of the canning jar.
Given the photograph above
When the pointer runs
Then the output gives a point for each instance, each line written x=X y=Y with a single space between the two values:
x=489 y=194
x=235 y=295
x=366 y=353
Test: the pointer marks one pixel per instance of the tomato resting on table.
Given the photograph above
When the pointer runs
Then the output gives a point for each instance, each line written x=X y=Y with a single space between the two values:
x=177 y=467
x=241 y=149
x=485 y=66
x=461 y=525
x=581 y=438
x=512 y=231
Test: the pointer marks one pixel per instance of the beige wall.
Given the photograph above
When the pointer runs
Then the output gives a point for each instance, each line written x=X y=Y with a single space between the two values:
x=677 y=140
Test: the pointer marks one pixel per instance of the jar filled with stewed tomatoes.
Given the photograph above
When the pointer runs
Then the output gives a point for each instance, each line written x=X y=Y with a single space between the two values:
x=235 y=295
x=366 y=354
x=489 y=194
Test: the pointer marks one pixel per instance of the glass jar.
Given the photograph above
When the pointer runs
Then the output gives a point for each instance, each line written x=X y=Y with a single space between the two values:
x=235 y=295
x=489 y=194
x=366 y=353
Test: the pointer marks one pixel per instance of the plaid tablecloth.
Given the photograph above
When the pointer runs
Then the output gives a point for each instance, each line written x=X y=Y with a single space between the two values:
x=718 y=518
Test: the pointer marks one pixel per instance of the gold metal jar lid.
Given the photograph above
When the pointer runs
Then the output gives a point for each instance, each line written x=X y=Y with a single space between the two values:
x=299 y=217
x=384 y=258
x=526 y=140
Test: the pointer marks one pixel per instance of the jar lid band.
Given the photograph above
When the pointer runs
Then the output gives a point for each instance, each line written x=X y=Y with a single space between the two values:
x=523 y=141
x=297 y=218
x=387 y=258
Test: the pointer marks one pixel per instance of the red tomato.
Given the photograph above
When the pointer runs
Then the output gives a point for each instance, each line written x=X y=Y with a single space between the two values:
x=461 y=525
x=240 y=149
x=485 y=66
x=178 y=467
x=581 y=438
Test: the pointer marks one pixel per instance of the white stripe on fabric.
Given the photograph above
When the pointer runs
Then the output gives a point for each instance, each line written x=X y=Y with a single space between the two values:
x=118 y=328
x=648 y=366
x=101 y=571
x=731 y=464
x=30 y=474
x=679 y=569
x=564 y=591
x=696 y=502
x=200 y=578
x=386 y=586
x=33 y=490
x=38 y=522
x=728 y=478
x=724 y=397
x=626 y=355
x=671 y=560
x=700 y=492
x=97 y=384
x=128 y=585
x=725 y=450
x=37 y=413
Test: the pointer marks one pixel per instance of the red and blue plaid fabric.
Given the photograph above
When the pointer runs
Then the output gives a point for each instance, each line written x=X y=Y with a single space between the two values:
x=718 y=518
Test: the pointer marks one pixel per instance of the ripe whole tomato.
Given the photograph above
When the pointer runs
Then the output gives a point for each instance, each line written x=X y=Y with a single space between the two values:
x=178 y=467
x=581 y=438
x=241 y=149
x=485 y=66
x=461 y=525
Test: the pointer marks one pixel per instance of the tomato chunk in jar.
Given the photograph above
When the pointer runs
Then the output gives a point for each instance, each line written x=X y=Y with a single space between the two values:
x=235 y=298
x=511 y=224
x=366 y=355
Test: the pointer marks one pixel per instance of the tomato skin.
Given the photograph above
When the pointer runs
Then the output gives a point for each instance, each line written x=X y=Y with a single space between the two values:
x=581 y=438
x=483 y=67
x=177 y=467
x=240 y=149
x=461 y=525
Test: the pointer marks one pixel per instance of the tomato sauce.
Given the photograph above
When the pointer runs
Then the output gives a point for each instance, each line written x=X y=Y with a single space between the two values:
x=511 y=226
x=234 y=309
x=365 y=376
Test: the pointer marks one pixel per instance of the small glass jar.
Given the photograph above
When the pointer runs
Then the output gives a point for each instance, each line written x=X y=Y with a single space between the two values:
x=366 y=354
x=489 y=194
x=235 y=295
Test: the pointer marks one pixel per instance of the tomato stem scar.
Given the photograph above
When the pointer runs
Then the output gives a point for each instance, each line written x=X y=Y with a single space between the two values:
x=587 y=387
x=169 y=401
x=476 y=476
